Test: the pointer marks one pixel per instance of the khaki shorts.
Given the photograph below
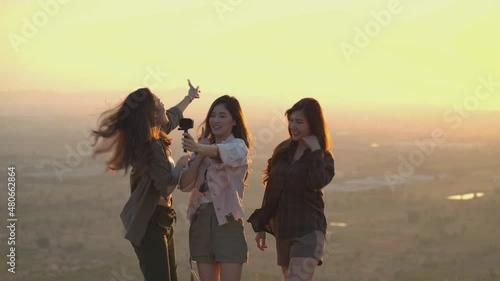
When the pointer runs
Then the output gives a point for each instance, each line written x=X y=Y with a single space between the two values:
x=211 y=243
x=311 y=245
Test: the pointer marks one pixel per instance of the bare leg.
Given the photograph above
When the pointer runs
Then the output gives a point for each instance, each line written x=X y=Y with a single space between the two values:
x=230 y=271
x=284 y=269
x=208 y=271
x=301 y=269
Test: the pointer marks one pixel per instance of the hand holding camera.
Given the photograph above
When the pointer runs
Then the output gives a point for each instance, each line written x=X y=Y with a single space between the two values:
x=189 y=143
x=185 y=124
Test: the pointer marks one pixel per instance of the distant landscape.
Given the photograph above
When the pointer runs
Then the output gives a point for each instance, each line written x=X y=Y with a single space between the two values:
x=68 y=207
x=409 y=90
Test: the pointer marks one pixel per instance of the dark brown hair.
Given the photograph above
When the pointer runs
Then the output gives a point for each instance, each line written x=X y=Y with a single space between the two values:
x=240 y=130
x=127 y=130
x=317 y=124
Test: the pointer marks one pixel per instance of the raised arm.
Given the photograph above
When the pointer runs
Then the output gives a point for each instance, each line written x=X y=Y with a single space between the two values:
x=174 y=113
x=319 y=163
x=193 y=93
x=202 y=147
x=320 y=169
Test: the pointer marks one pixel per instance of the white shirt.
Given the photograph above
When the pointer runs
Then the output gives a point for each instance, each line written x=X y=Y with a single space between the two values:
x=225 y=178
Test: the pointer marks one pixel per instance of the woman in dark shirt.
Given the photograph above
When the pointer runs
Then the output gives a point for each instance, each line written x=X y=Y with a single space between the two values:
x=135 y=133
x=293 y=208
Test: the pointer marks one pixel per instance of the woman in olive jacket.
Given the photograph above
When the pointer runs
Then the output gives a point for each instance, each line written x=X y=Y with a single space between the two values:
x=135 y=133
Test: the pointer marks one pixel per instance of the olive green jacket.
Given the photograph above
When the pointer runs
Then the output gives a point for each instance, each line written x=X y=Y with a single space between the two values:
x=147 y=189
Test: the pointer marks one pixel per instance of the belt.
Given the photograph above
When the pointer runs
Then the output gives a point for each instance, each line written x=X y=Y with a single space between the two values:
x=204 y=205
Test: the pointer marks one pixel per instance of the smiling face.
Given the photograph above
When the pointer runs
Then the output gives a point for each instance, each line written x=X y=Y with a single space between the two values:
x=221 y=122
x=298 y=125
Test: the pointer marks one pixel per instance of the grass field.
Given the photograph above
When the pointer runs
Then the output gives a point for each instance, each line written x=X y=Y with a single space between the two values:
x=70 y=229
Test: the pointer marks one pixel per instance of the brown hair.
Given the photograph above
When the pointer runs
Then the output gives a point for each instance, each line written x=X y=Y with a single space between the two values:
x=240 y=130
x=127 y=130
x=317 y=124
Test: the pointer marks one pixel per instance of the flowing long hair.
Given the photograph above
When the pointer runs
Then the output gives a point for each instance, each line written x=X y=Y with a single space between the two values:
x=126 y=132
x=315 y=119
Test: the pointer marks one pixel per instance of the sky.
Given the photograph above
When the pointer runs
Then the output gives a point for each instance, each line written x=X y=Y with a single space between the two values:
x=350 y=55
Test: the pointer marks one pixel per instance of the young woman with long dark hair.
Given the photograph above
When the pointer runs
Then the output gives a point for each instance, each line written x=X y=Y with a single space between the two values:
x=293 y=207
x=135 y=133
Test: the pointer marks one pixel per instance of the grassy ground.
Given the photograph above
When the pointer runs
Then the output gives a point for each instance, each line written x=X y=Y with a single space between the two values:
x=70 y=230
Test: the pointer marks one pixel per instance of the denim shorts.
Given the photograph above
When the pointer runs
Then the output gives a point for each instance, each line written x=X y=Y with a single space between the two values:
x=311 y=245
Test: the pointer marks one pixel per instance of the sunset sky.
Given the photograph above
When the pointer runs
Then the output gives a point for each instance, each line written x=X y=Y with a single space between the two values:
x=349 y=54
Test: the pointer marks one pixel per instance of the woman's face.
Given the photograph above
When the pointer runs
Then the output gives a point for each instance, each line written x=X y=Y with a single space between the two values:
x=221 y=122
x=160 y=113
x=298 y=126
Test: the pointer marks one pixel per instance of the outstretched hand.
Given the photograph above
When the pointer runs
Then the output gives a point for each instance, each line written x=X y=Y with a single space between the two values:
x=193 y=93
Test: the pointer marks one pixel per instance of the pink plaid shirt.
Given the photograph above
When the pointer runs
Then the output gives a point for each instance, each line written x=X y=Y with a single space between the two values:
x=225 y=178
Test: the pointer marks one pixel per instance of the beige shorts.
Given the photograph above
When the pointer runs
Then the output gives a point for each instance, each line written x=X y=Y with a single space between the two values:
x=310 y=245
x=211 y=243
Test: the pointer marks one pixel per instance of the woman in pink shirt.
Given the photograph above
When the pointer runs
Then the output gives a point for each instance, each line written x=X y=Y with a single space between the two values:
x=216 y=179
